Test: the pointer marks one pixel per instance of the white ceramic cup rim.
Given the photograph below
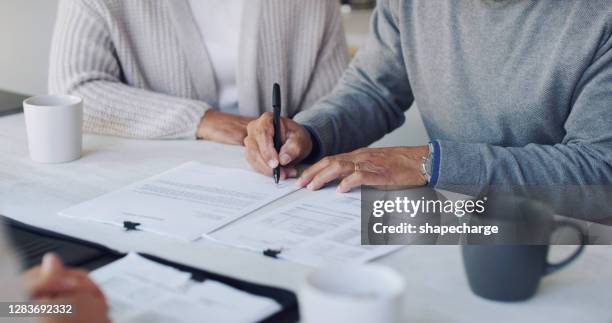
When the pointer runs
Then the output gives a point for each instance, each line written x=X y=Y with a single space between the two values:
x=52 y=101
x=394 y=284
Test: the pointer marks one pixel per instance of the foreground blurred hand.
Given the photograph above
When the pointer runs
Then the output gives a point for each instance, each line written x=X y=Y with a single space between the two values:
x=54 y=283
x=223 y=127
x=260 y=152
x=397 y=167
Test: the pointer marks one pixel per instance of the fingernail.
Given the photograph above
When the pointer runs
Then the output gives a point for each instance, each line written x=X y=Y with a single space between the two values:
x=310 y=187
x=299 y=183
x=285 y=159
x=272 y=163
x=342 y=189
x=48 y=263
x=69 y=283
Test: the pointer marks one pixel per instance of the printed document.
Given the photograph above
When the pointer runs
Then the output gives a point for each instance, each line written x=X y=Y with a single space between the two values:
x=141 y=290
x=185 y=202
x=323 y=229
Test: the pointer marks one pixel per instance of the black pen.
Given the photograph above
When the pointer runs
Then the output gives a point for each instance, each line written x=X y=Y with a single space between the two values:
x=276 y=105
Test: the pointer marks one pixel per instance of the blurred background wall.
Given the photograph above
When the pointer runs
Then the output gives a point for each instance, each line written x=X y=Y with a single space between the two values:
x=25 y=39
x=26 y=27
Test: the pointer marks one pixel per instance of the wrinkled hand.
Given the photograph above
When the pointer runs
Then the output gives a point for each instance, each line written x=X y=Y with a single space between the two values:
x=259 y=143
x=52 y=282
x=223 y=127
x=397 y=166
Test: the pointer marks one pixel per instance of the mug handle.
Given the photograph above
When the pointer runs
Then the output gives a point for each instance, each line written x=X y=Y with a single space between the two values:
x=551 y=268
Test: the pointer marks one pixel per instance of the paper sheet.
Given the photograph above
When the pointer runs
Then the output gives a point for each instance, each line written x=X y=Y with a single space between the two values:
x=185 y=202
x=324 y=229
x=140 y=290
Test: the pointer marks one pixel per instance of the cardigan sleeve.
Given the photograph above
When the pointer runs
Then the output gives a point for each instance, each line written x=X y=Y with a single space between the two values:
x=83 y=63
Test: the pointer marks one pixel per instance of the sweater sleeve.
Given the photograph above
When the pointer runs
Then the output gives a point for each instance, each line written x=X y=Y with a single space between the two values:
x=83 y=63
x=583 y=157
x=332 y=59
x=372 y=95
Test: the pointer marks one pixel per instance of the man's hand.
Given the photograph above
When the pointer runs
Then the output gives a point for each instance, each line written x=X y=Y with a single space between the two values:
x=223 y=127
x=260 y=152
x=52 y=282
x=398 y=166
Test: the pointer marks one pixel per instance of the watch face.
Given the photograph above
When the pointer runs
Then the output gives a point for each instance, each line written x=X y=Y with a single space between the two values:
x=427 y=165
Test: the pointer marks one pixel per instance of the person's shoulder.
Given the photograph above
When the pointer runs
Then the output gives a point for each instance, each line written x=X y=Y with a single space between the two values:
x=124 y=5
x=82 y=5
x=306 y=11
x=323 y=7
x=107 y=8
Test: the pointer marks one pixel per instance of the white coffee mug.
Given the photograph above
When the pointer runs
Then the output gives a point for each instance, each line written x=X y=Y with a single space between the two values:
x=355 y=294
x=54 y=126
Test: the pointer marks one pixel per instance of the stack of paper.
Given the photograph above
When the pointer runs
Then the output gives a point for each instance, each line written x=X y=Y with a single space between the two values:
x=140 y=290
x=320 y=230
x=196 y=200
x=185 y=202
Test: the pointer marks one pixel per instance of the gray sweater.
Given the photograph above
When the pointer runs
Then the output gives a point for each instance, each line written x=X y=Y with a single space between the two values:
x=511 y=92
x=143 y=71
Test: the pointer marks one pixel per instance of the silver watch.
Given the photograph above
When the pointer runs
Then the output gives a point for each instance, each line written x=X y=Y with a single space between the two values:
x=426 y=166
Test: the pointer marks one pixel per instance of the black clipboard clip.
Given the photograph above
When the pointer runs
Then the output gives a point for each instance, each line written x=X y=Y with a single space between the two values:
x=272 y=253
x=130 y=226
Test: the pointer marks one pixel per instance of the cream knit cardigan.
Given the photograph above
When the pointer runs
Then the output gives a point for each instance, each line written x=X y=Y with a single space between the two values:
x=143 y=70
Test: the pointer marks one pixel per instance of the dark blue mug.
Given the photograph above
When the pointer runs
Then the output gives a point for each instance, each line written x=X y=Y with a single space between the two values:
x=509 y=267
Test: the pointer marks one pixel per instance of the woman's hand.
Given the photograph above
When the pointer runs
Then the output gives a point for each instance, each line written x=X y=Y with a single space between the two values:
x=53 y=283
x=398 y=166
x=223 y=127
x=260 y=151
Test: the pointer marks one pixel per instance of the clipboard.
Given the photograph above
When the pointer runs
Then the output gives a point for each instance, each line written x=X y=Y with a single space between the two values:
x=31 y=243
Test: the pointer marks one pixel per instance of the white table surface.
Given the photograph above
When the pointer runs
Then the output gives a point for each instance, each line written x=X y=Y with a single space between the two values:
x=437 y=289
